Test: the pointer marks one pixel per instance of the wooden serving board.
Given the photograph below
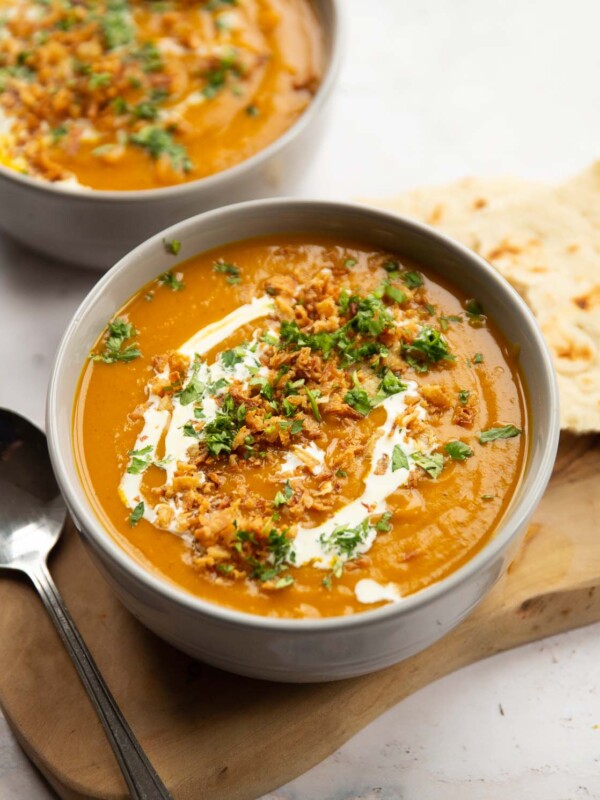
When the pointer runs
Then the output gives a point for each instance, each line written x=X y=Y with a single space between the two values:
x=214 y=735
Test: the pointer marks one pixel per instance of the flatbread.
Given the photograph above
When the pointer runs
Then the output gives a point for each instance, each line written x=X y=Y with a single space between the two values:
x=545 y=240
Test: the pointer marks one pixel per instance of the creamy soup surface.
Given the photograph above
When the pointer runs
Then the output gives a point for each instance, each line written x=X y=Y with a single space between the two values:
x=140 y=94
x=301 y=427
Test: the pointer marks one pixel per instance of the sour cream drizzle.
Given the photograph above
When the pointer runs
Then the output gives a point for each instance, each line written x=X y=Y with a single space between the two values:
x=308 y=546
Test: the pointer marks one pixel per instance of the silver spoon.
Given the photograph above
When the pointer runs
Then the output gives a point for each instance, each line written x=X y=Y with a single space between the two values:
x=32 y=515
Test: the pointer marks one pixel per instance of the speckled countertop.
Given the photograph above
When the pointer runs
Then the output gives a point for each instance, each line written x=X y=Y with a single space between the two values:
x=431 y=90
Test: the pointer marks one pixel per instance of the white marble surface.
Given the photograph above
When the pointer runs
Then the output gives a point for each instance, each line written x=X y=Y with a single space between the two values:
x=431 y=90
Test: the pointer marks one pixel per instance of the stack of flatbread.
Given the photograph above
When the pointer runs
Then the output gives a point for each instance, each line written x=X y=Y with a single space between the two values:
x=545 y=240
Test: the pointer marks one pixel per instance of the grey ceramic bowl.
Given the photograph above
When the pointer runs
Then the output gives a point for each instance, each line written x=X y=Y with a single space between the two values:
x=305 y=650
x=95 y=228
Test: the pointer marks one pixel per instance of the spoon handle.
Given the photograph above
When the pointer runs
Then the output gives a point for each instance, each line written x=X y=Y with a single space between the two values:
x=140 y=776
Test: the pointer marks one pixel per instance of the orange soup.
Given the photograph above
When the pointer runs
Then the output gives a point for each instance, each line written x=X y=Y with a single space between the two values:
x=301 y=427
x=139 y=94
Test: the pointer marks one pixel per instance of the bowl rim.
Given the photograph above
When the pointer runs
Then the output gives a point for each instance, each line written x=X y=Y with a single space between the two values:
x=334 y=31
x=514 y=519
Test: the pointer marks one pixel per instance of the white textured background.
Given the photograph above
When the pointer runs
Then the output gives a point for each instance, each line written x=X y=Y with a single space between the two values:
x=431 y=90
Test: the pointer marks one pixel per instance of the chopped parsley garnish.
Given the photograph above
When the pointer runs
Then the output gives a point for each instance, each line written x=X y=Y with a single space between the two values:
x=391 y=383
x=383 y=524
x=399 y=459
x=216 y=78
x=189 y=430
x=488 y=496
x=345 y=540
x=171 y=280
x=312 y=398
x=140 y=460
x=427 y=348
x=446 y=320
x=433 y=464
x=266 y=388
x=99 y=80
x=282 y=498
x=278 y=546
x=463 y=396
x=136 y=514
x=172 y=246
x=220 y=432
x=149 y=57
x=194 y=389
x=414 y=280
x=253 y=111
x=475 y=313
x=393 y=293
x=341 y=473
x=158 y=143
x=478 y=358
x=505 y=432
x=296 y=426
x=358 y=398
x=229 y=358
x=459 y=451
x=118 y=331
x=350 y=262
x=116 y=28
x=232 y=271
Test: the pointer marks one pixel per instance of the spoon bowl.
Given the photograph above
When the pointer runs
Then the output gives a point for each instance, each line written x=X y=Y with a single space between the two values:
x=32 y=516
x=32 y=511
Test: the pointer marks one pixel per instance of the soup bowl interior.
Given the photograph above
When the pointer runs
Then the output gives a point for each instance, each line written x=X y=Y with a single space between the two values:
x=305 y=649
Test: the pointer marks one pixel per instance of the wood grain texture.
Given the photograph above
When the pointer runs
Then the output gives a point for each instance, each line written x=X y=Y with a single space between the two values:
x=213 y=735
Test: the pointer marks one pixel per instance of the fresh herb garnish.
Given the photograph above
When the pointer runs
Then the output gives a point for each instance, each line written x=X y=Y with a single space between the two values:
x=475 y=313
x=116 y=28
x=312 y=398
x=505 y=432
x=345 y=540
x=459 y=451
x=358 y=398
x=478 y=358
x=172 y=246
x=432 y=464
x=99 y=80
x=118 y=331
x=136 y=514
x=427 y=348
x=216 y=78
x=194 y=390
x=220 y=432
x=446 y=320
x=391 y=384
x=158 y=143
x=282 y=498
x=171 y=280
x=140 y=460
x=399 y=459
x=393 y=293
x=463 y=396
x=414 y=280
x=229 y=358
x=383 y=524
x=232 y=271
